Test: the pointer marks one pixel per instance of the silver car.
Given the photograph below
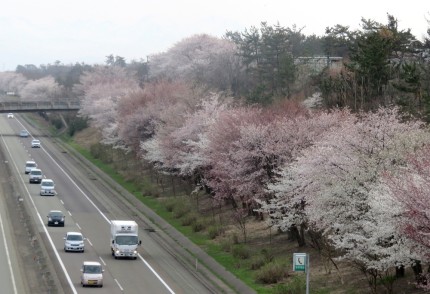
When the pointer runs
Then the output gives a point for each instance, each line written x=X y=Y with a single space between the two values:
x=74 y=241
x=35 y=143
x=23 y=134
x=35 y=176
x=47 y=188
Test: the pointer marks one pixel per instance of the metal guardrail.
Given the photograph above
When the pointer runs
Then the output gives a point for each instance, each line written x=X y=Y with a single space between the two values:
x=31 y=106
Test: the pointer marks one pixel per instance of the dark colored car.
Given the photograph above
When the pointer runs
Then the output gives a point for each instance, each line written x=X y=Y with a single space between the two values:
x=56 y=218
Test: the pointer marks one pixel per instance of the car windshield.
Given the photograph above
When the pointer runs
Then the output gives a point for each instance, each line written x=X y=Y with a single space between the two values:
x=48 y=184
x=31 y=165
x=126 y=240
x=92 y=269
x=55 y=214
x=74 y=237
x=36 y=172
x=36 y=141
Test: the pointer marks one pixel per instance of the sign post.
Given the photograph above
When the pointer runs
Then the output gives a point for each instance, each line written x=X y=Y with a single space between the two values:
x=301 y=264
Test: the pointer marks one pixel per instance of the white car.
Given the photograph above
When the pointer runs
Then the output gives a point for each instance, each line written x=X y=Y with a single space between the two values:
x=74 y=241
x=92 y=274
x=29 y=165
x=35 y=175
x=35 y=143
x=10 y=115
x=23 y=134
x=47 y=187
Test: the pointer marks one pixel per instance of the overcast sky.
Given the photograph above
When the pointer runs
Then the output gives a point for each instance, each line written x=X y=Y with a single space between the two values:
x=43 y=31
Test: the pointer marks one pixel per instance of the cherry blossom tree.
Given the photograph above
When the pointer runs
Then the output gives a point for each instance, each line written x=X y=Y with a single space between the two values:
x=164 y=112
x=410 y=185
x=199 y=58
x=223 y=136
x=189 y=142
x=100 y=91
x=41 y=90
x=409 y=188
x=12 y=82
x=286 y=208
x=335 y=177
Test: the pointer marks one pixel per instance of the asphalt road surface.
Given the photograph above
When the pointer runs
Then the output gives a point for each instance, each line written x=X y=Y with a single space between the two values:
x=89 y=204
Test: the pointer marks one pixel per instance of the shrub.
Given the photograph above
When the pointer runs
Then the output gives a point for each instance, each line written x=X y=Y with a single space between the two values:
x=180 y=209
x=170 y=204
x=271 y=273
x=241 y=251
x=77 y=124
x=268 y=255
x=57 y=122
x=214 y=231
x=257 y=262
x=198 y=226
x=234 y=238
x=226 y=245
x=151 y=191
x=189 y=219
x=297 y=284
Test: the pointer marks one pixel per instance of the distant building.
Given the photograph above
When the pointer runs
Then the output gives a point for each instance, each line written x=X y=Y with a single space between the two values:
x=317 y=63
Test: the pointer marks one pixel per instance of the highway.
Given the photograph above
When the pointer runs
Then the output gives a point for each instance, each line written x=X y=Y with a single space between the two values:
x=89 y=205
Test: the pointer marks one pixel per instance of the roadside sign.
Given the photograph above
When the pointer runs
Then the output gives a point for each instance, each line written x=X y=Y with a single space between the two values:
x=299 y=262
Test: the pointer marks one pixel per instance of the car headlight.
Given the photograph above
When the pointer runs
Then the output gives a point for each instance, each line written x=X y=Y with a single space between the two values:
x=62 y=219
x=135 y=252
x=49 y=219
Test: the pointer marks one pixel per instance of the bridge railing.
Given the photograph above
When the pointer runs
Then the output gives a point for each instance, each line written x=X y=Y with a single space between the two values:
x=17 y=106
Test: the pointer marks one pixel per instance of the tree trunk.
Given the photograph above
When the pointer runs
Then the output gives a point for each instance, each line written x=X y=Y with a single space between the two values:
x=298 y=235
x=400 y=271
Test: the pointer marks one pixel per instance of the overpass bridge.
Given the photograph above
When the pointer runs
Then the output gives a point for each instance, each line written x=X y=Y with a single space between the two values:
x=38 y=106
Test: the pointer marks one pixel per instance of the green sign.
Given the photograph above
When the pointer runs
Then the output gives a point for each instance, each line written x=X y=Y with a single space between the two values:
x=299 y=262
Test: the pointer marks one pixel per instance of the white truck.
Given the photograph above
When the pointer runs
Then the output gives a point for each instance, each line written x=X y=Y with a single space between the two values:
x=124 y=238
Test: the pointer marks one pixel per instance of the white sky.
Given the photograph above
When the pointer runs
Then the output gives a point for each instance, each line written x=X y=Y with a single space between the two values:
x=43 y=31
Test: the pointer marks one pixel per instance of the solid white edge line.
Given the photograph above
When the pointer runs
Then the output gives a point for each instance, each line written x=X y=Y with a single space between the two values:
x=9 y=262
x=69 y=280
x=104 y=216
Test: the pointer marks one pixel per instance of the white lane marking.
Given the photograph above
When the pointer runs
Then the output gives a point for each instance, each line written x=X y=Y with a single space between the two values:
x=77 y=187
x=79 y=227
x=69 y=280
x=61 y=201
x=105 y=217
x=90 y=242
x=12 y=276
x=119 y=285
x=155 y=273
x=69 y=212
x=101 y=259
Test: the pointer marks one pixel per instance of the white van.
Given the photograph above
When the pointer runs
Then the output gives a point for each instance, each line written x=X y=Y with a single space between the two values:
x=36 y=176
x=92 y=274
x=29 y=165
